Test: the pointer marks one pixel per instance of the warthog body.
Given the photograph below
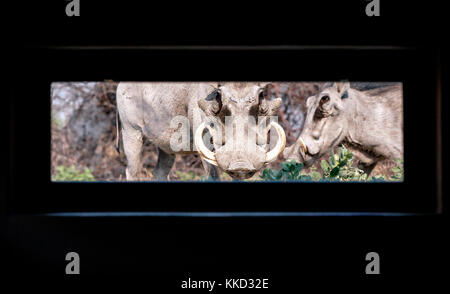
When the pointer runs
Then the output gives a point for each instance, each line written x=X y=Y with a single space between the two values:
x=163 y=111
x=369 y=123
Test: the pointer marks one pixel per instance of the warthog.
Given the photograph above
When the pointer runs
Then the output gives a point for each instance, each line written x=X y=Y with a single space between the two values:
x=176 y=117
x=369 y=123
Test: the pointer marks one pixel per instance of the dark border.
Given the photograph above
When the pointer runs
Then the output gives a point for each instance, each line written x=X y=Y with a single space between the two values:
x=172 y=64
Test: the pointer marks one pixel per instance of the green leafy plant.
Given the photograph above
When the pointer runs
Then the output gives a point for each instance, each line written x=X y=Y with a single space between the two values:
x=315 y=175
x=398 y=171
x=340 y=167
x=290 y=171
x=378 y=178
x=71 y=173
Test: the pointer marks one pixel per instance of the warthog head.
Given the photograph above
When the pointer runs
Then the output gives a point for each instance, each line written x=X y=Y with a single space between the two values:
x=325 y=125
x=238 y=123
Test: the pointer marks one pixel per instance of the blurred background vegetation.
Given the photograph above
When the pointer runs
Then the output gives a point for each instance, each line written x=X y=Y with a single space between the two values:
x=83 y=129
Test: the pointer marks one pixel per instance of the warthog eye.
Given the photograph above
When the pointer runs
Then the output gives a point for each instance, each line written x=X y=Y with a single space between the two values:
x=324 y=99
x=215 y=101
x=320 y=112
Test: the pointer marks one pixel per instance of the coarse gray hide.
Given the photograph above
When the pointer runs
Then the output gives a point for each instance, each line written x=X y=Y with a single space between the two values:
x=183 y=118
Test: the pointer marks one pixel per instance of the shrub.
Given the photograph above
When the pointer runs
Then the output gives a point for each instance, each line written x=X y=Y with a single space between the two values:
x=338 y=167
x=72 y=174
x=398 y=171
x=290 y=171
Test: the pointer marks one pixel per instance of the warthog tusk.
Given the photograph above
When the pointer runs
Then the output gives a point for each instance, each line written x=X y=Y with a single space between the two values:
x=204 y=152
x=281 y=143
x=303 y=147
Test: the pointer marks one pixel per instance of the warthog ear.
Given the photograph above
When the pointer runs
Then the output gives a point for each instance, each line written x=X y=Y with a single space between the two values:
x=264 y=89
x=274 y=106
x=342 y=87
x=212 y=104
x=271 y=107
x=309 y=101
x=213 y=95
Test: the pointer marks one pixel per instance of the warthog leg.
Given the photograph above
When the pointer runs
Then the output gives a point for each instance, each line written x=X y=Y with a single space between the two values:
x=132 y=146
x=164 y=165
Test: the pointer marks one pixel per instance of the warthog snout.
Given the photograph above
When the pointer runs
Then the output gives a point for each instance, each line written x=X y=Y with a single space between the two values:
x=296 y=152
x=241 y=169
x=241 y=157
